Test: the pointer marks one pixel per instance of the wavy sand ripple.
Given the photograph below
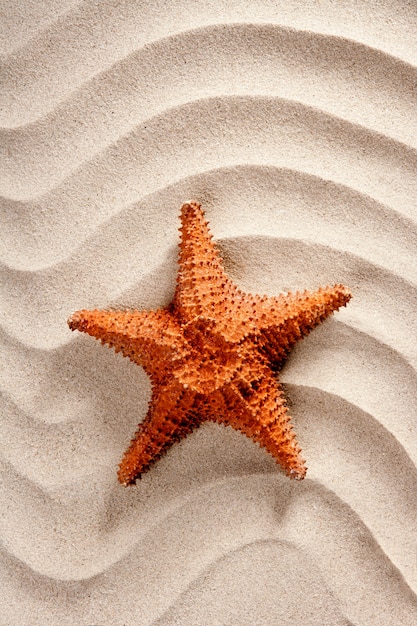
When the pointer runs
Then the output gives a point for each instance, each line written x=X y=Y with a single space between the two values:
x=347 y=552
x=79 y=46
x=294 y=124
x=340 y=77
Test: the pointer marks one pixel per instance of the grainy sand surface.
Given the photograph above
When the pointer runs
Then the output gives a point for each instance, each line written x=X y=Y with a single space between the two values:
x=294 y=124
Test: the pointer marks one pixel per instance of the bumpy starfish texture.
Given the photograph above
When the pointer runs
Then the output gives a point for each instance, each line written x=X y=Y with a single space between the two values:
x=212 y=354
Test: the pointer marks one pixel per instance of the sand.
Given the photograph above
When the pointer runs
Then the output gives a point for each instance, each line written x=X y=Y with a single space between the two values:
x=294 y=124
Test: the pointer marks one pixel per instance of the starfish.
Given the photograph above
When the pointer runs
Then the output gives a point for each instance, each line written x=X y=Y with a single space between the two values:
x=213 y=354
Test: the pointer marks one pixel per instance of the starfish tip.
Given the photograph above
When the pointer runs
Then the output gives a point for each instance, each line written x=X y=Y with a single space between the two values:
x=74 y=320
x=345 y=290
x=192 y=206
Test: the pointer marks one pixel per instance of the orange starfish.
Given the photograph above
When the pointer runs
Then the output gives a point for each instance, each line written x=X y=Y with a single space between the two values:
x=212 y=354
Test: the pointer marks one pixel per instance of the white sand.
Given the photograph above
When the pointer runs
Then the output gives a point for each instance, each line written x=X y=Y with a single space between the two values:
x=294 y=124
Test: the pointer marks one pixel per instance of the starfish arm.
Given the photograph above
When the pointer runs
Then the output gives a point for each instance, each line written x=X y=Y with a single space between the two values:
x=282 y=321
x=255 y=405
x=170 y=418
x=203 y=288
x=202 y=282
x=148 y=338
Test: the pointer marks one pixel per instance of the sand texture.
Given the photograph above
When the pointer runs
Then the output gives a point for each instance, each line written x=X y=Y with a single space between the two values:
x=294 y=124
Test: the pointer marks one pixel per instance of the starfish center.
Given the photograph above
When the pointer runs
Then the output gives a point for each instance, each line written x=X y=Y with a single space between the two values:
x=209 y=361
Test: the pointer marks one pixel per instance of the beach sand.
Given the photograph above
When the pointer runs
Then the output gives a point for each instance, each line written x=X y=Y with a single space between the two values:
x=294 y=124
